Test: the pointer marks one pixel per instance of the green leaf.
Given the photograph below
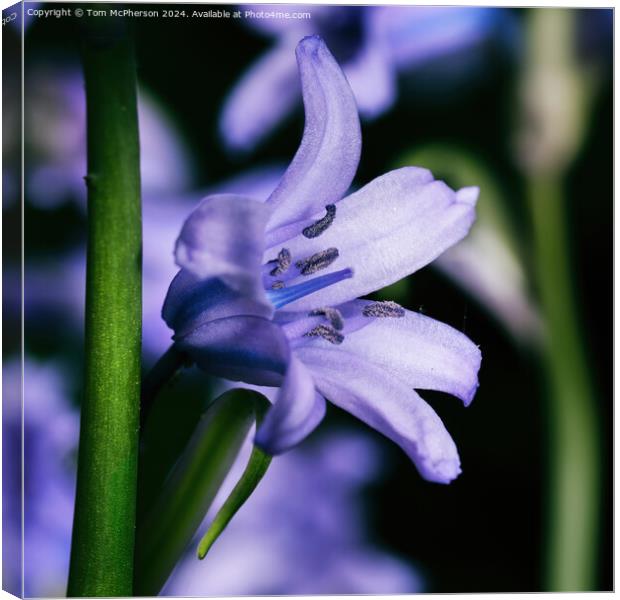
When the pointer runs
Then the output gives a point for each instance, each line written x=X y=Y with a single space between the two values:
x=257 y=467
x=191 y=487
x=176 y=427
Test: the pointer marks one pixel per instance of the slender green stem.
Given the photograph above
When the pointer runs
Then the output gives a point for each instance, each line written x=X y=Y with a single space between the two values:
x=574 y=501
x=104 y=522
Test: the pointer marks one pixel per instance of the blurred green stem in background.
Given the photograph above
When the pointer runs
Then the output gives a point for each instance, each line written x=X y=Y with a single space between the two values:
x=104 y=521
x=574 y=477
x=555 y=99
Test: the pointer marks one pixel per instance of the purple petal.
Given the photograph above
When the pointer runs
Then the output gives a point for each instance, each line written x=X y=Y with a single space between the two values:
x=388 y=405
x=389 y=229
x=327 y=158
x=192 y=301
x=242 y=348
x=224 y=237
x=263 y=97
x=418 y=350
x=255 y=350
x=298 y=409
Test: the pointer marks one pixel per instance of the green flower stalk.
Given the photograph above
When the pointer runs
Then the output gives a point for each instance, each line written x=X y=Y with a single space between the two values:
x=104 y=523
x=556 y=92
x=574 y=447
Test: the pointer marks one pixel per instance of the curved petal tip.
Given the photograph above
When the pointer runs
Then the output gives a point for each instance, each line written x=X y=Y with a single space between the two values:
x=467 y=399
x=443 y=472
x=298 y=409
x=468 y=195
x=325 y=163
x=310 y=45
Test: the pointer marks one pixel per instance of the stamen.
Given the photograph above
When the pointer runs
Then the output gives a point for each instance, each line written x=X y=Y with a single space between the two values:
x=316 y=229
x=327 y=333
x=384 y=309
x=333 y=315
x=283 y=262
x=318 y=261
x=277 y=285
x=284 y=296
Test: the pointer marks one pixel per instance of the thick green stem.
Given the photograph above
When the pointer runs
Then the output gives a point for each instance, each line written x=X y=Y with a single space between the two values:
x=574 y=472
x=104 y=522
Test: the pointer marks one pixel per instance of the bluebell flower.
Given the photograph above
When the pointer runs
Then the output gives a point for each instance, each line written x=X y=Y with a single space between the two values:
x=375 y=45
x=267 y=292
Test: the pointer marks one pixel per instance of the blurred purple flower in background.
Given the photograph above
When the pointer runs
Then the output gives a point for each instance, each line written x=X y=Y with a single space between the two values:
x=243 y=260
x=374 y=45
x=55 y=138
x=51 y=427
x=12 y=514
x=303 y=530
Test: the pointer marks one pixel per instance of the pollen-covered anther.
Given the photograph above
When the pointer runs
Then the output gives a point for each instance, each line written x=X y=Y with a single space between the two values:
x=318 y=261
x=316 y=229
x=333 y=315
x=384 y=309
x=277 y=285
x=283 y=262
x=327 y=333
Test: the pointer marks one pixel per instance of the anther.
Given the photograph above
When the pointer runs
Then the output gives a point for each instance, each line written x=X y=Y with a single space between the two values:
x=283 y=262
x=384 y=309
x=333 y=315
x=316 y=229
x=318 y=261
x=277 y=285
x=327 y=333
